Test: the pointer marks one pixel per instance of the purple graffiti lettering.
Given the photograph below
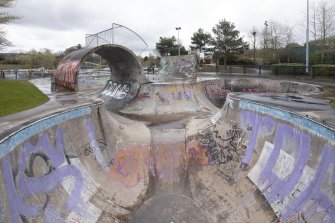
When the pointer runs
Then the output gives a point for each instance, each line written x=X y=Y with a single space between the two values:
x=280 y=188
x=94 y=144
x=21 y=186
x=261 y=125
x=313 y=191
x=120 y=167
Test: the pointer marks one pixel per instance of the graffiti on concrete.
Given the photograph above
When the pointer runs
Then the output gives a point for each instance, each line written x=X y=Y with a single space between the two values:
x=253 y=90
x=162 y=99
x=65 y=74
x=283 y=171
x=143 y=96
x=178 y=66
x=185 y=66
x=224 y=150
x=40 y=126
x=220 y=149
x=116 y=90
x=216 y=91
x=29 y=181
x=90 y=149
x=260 y=126
x=314 y=127
x=166 y=68
x=129 y=165
x=197 y=155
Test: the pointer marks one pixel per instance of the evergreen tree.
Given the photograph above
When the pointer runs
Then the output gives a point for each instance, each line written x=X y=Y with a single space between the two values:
x=200 y=40
x=227 y=41
x=168 y=47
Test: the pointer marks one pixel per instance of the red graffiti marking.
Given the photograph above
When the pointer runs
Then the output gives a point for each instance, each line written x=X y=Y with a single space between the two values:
x=66 y=73
x=197 y=155
x=131 y=166
x=168 y=156
x=216 y=91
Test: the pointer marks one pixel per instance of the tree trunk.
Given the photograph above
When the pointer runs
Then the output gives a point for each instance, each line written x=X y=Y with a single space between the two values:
x=225 y=62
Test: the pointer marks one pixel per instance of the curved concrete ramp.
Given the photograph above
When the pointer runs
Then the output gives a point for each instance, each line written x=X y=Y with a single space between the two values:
x=122 y=62
x=247 y=162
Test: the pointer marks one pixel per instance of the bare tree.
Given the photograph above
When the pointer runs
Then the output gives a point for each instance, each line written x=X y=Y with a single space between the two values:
x=274 y=37
x=326 y=21
x=314 y=22
x=5 y=18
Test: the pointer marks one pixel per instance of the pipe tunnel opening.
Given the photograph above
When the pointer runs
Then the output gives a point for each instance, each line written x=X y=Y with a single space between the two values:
x=117 y=84
x=123 y=67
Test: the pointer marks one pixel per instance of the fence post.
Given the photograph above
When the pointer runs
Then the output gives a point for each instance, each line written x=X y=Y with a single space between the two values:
x=260 y=69
x=244 y=69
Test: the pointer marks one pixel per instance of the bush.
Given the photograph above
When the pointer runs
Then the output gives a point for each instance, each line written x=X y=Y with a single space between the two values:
x=323 y=70
x=332 y=104
x=288 y=68
x=234 y=60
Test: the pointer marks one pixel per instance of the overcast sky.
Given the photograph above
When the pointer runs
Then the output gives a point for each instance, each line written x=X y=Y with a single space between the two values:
x=59 y=24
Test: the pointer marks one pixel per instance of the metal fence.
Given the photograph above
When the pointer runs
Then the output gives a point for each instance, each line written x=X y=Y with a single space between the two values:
x=119 y=35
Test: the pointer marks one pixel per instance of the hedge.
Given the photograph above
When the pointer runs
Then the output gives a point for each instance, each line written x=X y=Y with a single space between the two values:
x=323 y=70
x=288 y=69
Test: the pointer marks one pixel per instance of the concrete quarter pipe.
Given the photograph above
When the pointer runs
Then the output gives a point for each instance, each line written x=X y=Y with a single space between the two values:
x=165 y=152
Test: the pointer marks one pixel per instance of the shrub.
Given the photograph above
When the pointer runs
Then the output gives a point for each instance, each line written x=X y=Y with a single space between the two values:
x=288 y=68
x=332 y=104
x=234 y=60
x=323 y=70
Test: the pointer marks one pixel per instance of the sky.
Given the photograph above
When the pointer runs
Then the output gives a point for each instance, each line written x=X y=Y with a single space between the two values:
x=59 y=24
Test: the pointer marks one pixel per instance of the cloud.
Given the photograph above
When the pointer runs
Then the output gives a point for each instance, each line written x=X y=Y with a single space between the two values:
x=58 y=24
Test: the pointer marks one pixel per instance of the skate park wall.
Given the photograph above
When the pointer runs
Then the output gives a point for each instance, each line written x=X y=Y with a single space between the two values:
x=41 y=177
x=289 y=157
x=178 y=66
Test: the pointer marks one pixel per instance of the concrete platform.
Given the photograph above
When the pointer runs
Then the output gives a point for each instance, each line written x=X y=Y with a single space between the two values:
x=228 y=149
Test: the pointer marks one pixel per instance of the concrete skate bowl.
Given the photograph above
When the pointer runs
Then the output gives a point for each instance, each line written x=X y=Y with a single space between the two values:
x=246 y=162
x=217 y=90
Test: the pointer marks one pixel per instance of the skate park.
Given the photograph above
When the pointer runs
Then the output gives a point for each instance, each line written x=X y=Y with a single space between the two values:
x=178 y=148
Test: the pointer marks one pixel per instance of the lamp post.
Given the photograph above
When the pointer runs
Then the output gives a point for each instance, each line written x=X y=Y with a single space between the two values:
x=307 y=40
x=178 y=28
x=265 y=40
x=254 y=34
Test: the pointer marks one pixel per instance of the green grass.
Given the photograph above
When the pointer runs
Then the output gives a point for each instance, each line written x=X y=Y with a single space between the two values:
x=332 y=103
x=16 y=96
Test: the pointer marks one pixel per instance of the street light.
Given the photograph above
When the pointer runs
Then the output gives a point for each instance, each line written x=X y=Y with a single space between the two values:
x=178 y=28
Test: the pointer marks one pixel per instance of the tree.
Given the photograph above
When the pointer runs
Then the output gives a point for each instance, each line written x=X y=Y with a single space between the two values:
x=326 y=22
x=227 y=41
x=168 y=47
x=200 y=40
x=274 y=37
x=322 y=24
x=5 y=18
x=35 y=59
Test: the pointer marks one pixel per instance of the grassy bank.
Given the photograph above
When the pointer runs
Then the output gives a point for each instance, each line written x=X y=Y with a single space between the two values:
x=16 y=96
x=332 y=103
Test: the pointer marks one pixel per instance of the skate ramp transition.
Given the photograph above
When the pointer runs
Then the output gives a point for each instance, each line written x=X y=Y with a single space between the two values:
x=171 y=152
